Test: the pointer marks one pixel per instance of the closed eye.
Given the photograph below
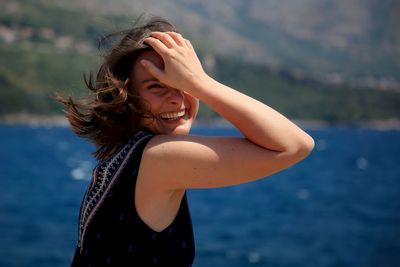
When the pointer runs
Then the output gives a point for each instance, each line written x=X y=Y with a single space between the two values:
x=155 y=86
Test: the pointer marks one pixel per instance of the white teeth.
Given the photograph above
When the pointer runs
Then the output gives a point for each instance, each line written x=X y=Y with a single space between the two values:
x=172 y=115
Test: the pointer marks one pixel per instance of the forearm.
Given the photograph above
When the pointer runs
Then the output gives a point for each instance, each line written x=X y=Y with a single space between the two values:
x=258 y=122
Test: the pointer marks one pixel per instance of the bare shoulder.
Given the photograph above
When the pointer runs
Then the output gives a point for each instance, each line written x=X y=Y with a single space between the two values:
x=182 y=146
x=176 y=162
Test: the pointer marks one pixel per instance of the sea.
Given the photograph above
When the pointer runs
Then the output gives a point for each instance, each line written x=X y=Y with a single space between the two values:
x=340 y=207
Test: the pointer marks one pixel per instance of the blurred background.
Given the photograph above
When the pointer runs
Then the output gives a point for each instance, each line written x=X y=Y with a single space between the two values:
x=332 y=66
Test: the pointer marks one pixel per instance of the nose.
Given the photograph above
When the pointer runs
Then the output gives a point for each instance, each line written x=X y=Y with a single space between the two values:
x=176 y=96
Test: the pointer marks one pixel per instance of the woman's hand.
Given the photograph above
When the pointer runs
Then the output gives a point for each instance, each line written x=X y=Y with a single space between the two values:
x=182 y=68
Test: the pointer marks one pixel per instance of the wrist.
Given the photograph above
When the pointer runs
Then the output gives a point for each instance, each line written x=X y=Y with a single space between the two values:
x=204 y=87
x=200 y=83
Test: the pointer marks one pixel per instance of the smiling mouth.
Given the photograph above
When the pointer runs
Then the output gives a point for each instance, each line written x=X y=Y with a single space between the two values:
x=170 y=116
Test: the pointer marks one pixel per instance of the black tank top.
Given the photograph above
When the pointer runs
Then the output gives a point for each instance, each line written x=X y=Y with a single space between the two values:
x=111 y=233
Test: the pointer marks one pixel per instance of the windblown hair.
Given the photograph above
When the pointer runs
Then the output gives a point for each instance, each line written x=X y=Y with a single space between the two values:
x=110 y=116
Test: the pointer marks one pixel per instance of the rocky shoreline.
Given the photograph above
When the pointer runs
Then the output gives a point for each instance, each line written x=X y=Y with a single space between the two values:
x=61 y=121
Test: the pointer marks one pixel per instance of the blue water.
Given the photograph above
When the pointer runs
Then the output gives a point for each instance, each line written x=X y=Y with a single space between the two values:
x=339 y=207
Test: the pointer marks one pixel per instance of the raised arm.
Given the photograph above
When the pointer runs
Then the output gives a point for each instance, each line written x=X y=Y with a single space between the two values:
x=272 y=141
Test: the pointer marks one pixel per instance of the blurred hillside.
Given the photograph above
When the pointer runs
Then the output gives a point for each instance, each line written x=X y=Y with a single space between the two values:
x=338 y=41
x=327 y=60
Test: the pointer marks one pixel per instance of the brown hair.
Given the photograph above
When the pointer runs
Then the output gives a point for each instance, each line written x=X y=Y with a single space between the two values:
x=110 y=116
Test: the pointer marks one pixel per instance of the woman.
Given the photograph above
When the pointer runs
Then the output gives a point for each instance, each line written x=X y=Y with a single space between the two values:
x=135 y=211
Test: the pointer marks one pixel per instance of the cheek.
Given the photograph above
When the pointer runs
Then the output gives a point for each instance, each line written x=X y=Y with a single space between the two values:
x=194 y=103
x=151 y=102
x=197 y=107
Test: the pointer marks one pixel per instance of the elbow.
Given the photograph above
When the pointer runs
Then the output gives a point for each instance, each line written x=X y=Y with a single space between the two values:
x=306 y=146
x=302 y=148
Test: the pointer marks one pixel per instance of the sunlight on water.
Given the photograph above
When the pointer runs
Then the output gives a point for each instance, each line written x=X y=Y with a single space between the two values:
x=82 y=171
x=362 y=163
x=321 y=144
x=303 y=194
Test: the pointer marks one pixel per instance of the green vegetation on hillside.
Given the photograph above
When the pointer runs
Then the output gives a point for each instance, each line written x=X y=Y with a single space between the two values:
x=30 y=77
x=53 y=47
x=38 y=15
x=307 y=98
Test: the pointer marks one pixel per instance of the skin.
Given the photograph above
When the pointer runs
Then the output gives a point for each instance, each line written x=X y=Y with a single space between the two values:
x=271 y=142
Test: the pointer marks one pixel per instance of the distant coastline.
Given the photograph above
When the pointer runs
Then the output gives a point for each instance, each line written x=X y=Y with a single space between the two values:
x=33 y=119
x=61 y=121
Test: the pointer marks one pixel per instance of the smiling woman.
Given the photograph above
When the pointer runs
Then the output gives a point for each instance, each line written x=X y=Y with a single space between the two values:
x=135 y=211
x=173 y=110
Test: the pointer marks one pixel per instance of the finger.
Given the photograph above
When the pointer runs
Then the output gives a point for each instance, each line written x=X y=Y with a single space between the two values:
x=189 y=44
x=165 y=38
x=152 y=69
x=179 y=40
x=157 y=45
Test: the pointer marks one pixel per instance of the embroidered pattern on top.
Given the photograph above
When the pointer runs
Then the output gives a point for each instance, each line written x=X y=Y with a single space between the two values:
x=103 y=181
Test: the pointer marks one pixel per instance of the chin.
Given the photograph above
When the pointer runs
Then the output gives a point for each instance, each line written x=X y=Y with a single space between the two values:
x=181 y=129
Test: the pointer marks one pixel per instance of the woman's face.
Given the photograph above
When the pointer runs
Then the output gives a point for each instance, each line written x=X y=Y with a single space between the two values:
x=174 y=111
